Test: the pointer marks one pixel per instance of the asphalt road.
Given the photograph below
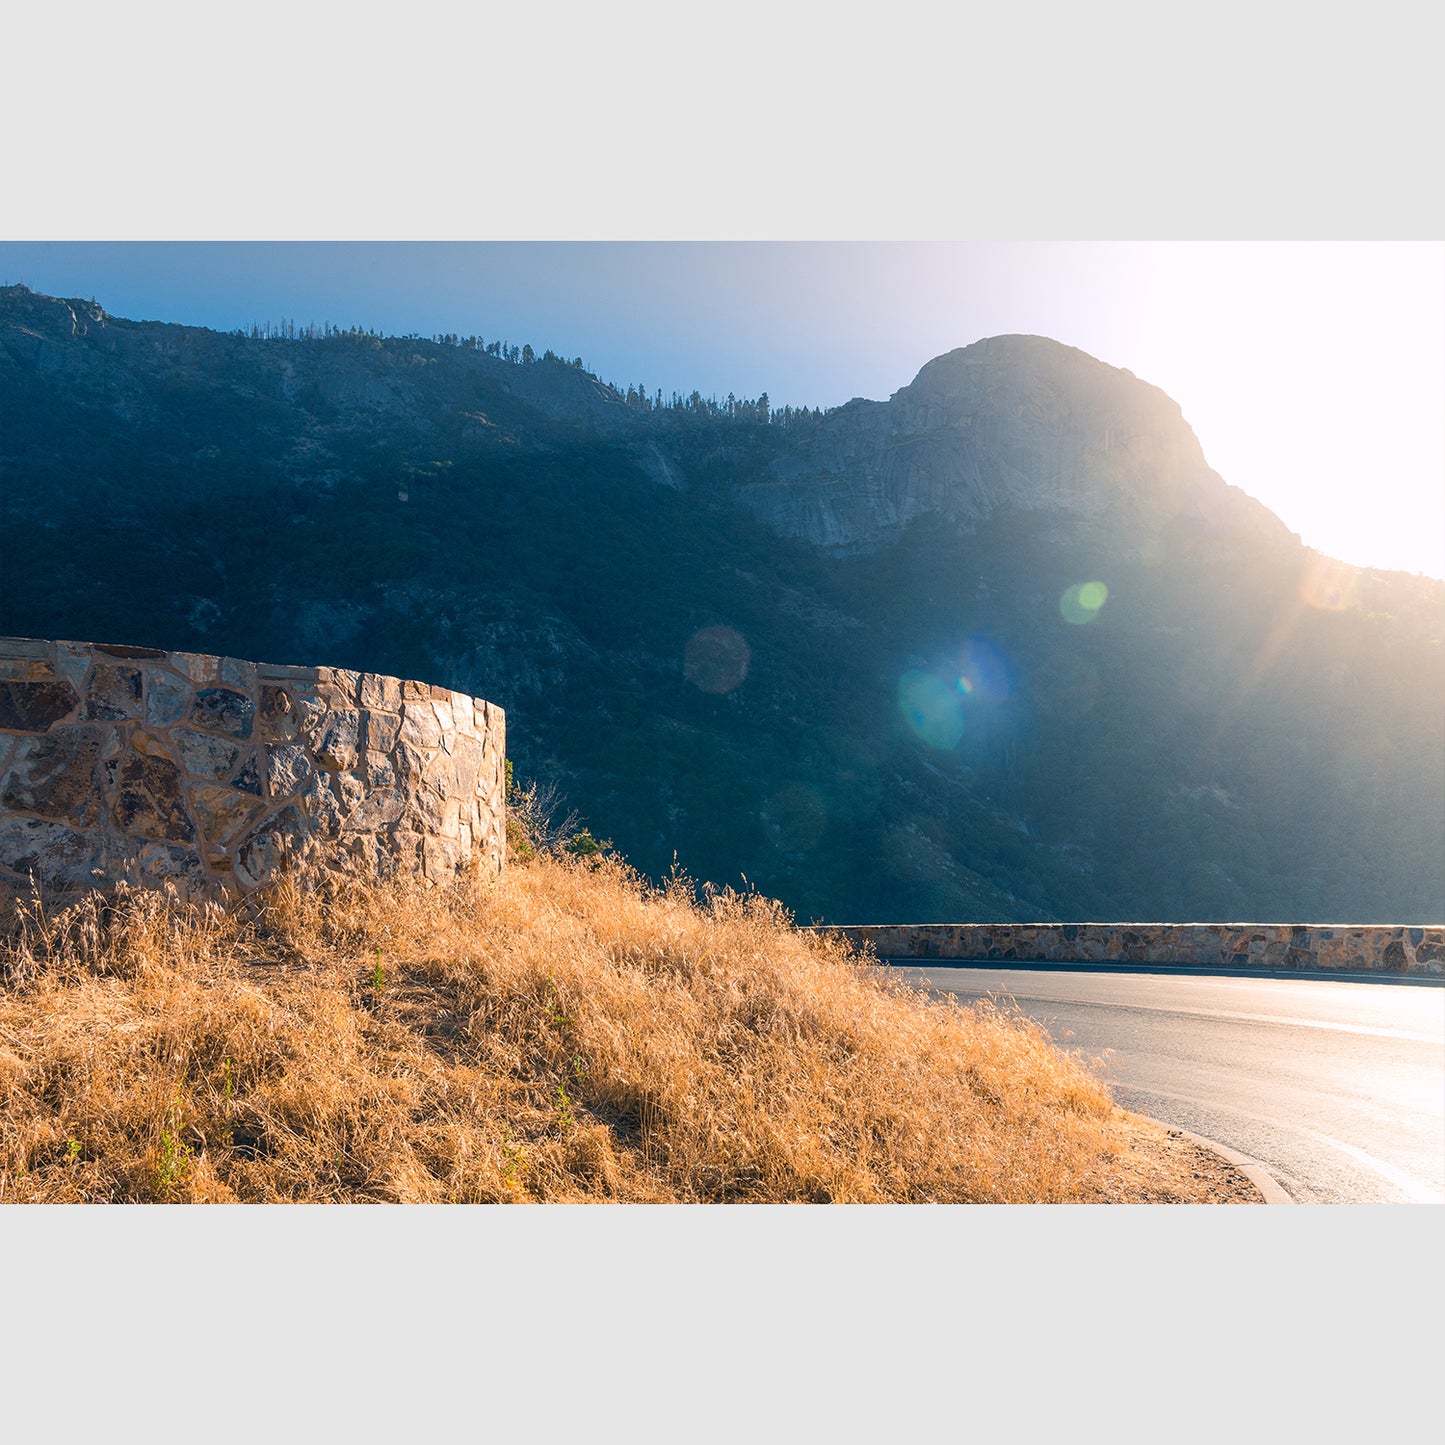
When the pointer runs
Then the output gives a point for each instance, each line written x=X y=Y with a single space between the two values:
x=1337 y=1088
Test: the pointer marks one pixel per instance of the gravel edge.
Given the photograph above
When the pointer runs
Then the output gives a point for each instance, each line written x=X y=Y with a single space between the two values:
x=1252 y=1169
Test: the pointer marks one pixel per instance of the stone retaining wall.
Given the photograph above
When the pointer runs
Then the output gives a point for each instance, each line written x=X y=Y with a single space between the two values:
x=1309 y=947
x=215 y=774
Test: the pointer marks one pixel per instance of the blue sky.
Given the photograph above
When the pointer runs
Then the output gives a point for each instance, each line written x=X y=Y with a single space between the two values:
x=1312 y=372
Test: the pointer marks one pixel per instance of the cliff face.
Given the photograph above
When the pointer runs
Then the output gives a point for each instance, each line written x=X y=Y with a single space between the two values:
x=1017 y=421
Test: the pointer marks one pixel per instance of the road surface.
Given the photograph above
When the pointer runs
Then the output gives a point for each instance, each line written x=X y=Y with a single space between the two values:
x=1337 y=1088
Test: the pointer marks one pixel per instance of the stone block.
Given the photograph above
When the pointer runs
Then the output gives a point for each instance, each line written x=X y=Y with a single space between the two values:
x=23 y=669
x=167 y=699
x=367 y=855
x=72 y=662
x=380 y=693
x=32 y=648
x=338 y=740
x=110 y=649
x=382 y=730
x=428 y=809
x=152 y=745
x=223 y=710
x=336 y=687
x=375 y=768
x=201 y=669
x=222 y=814
x=56 y=777
x=35 y=707
x=235 y=672
x=159 y=863
x=287 y=768
x=205 y=755
x=309 y=712
x=247 y=778
x=443 y=858
x=349 y=789
x=378 y=809
x=281 y=672
x=467 y=755
x=148 y=799
x=55 y=855
x=270 y=849
x=320 y=808
x=279 y=720
x=419 y=727
x=114 y=692
x=407 y=848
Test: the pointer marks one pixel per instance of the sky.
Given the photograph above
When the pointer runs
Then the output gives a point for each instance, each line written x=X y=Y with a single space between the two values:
x=1312 y=372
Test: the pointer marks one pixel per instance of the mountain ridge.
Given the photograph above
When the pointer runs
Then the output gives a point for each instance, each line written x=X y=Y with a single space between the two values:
x=842 y=654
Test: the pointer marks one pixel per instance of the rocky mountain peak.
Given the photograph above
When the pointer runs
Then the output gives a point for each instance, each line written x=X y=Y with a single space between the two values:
x=1010 y=421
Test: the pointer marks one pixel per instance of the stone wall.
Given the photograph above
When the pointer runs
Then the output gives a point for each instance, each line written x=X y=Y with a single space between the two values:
x=1293 y=947
x=216 y=774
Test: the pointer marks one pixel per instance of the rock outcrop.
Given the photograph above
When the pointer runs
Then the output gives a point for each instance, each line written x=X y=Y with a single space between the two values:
x=216 y=774
x=1018 y=421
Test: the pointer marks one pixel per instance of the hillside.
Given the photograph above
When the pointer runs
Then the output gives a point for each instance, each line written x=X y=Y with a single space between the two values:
x=564 y=1034
x=1000 y=646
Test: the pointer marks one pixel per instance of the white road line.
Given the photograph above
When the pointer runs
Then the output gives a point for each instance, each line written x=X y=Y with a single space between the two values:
x=1416 y=1189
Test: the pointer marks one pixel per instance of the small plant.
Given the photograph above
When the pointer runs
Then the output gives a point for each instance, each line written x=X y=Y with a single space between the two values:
x=175 y=1153
x=564 y=1109
x=378 y=974
x=554 y=1005
x=519 y=838
x=537 y=820
x=514 y=1156
x=227 y=1136
x=583 y=845
x=72 y=1149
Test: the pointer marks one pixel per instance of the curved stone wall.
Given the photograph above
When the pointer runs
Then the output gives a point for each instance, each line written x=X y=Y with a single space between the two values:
x=216 y=774
x=1343 y=948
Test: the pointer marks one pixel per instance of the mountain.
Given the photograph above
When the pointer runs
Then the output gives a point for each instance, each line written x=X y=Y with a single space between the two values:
x=1000 y=646
x=1014 y=421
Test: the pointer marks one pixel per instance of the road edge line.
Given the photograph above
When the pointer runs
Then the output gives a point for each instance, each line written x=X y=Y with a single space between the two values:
x=1252 y=1169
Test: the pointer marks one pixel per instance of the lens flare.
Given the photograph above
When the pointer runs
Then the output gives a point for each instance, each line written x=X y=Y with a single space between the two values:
x=982 y=674
x=1082 y=602
x=931 y=707
x=716 y=659
x=1329 y=585
x=960 y=695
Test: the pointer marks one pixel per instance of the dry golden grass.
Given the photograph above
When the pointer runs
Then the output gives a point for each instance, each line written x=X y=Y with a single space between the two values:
x=566 y=1034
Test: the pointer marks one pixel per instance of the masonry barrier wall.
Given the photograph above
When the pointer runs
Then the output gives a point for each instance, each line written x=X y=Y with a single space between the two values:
x=1324 y=948
x=215 y=774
